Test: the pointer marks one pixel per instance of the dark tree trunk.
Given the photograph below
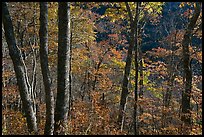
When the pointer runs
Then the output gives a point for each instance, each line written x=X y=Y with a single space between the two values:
x=49 y=96
x=70 y=77
x=135 y=125
x=141 y=78
x=62 y=103
x=140 y=69
x=124 y=93
x=20 y=71
x=187 y=78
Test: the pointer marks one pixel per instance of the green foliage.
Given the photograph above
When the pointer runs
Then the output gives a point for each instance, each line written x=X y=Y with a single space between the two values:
x=117 y=63
x=155 y=91
x=118 y=11
x=81 y=33
x=146 y=74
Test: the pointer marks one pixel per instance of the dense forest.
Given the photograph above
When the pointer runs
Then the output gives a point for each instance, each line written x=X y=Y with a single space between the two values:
x=101 y=68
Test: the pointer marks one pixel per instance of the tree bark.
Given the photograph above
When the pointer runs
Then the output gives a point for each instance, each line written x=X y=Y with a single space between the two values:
x=135 y=125
x=20 y=71
x=187 y=78
x=124 y=93
x=62 y=103
x=49 y=95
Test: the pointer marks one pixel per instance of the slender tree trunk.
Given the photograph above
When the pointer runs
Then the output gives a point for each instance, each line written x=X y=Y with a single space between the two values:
x=140 y=124
x=187 y=78
x=34 y=62
x=135 y=125
x=140 y=69
x=70 y=81
x=62 y=102
x=141 y=80
x=20 y=71
x=124 y=93
x=49 y=96
x=70 y=77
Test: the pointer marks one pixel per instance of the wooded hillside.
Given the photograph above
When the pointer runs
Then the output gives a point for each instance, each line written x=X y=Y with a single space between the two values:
x=102 y=68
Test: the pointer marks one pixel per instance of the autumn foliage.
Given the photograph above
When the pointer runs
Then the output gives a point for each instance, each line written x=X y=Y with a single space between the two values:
x=99 y=47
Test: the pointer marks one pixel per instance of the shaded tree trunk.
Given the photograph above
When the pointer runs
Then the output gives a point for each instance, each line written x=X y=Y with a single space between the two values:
x=187 y=77
x=141 y=24
x=20 y=71
x=135 y=124
x=70 y=77
x=124 y=93
x=63 y=70
x=49 y=96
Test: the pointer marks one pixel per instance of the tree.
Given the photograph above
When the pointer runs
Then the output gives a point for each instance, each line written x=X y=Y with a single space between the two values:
x=187 y=76
x=43 y=33
x=20 y=71
x=62 y=102
x=129 y=10
x=135 y=127
x=139 y=66
x=124 y=93
x=96 y=65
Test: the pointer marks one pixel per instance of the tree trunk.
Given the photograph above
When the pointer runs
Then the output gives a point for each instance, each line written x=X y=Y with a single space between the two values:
x=187 y=77
x=70 y=78
x=135 y=126
x=49 y=96
x=62 y=103
x=140 y=69
x=20 y=71
x=124 y=93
